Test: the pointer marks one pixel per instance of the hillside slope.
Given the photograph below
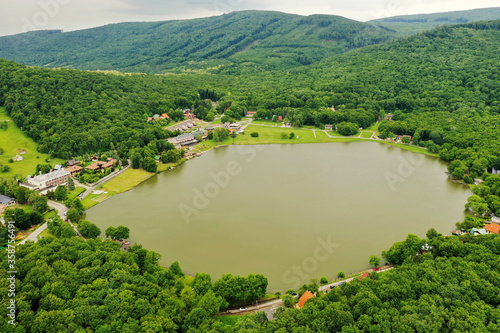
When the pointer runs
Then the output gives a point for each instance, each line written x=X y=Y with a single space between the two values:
x=269 y=39
x=406 y=25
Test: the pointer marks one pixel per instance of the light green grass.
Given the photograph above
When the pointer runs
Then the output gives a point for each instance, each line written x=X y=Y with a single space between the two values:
x=12 y=141
x=126 y=181
x=229 y=320
x=46 y=233
x=73 y=194
x=366 y=134
x=269 y=135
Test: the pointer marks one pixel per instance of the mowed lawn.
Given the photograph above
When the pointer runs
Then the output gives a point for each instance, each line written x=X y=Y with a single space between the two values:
x=268 y=135
x=13 y=141
x=126 y=181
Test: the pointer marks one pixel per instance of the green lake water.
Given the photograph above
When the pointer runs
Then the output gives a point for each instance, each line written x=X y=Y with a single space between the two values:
x=290 y=212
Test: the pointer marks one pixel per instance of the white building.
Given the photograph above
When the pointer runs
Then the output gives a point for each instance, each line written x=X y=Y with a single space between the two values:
x=54 y=178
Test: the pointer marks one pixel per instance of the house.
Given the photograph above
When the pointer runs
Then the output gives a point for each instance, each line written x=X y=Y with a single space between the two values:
x=389 y=116
x=226 y=125
x=364 y=276
x=5 y=202
x=183 y=140
x=493 y=228
x=234 y=126
x=280 y=118
x=102 y=165
x=329 y=127
x=58 y=167
x=475 y=231
x=190 y=116
x=304 y=298
x=251 y=113
x=54 y=178
x=74 y=169
x=72 y=162
x=17 y=158
x=150 y=119
x=164 y=116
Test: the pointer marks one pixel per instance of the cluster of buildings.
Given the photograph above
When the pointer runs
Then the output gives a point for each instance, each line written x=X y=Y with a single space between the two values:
x=187 y=139
x=48 y=180
x=184 y=126
x=159 y=117
x=491 y=228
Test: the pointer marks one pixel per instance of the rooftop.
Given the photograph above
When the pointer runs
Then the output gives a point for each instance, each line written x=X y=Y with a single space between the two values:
x=51 y=175
x=493 y=228
x=303 y=299
x=5 y=199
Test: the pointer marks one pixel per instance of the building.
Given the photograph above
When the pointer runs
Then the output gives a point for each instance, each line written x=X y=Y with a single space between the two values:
x=304 y=298
x=475 y=231
x=72 y=162
x=251 y=113
x=17 y=158
x=58 y=167
x=329 y=127
x=102 y=165
x=200 y=132
x=54 y=178
x=234 y=126
x=164 y=116
x=74 y=169
x=493 y=228
x=183 y=140
x=5 y=202
x=364 y=276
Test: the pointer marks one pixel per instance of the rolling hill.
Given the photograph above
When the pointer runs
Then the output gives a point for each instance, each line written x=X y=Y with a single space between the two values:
x=266 y=39
x=406 y=25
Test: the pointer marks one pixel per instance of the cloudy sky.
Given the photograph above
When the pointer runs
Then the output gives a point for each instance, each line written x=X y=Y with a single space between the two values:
x=18 y=16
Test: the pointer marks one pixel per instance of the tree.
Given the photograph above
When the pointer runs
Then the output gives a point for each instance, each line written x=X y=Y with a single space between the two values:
x=73 y=215
x=149 y=164
x=117 y=233
x=254 y=134
x=71 y=184
x=341 y=275
x=136 y=160
x=374 y=261
x=234 y=135
x=406 y=140
x=61 y=193
x=291 y=136
x=284 y=135
x=202 y=283
x=347 y=128
x=88 y=229
x=288 y=301
x=323 y=280
x=40 y=204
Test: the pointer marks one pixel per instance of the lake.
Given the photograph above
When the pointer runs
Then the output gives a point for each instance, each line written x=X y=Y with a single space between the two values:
x=290 y=212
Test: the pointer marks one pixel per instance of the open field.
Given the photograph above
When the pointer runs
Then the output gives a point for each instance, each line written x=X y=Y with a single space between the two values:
x=126 y=181
x=13 y=141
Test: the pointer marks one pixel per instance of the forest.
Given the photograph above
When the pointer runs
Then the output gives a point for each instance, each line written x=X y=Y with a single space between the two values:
x=441 y=87
x=255 y=40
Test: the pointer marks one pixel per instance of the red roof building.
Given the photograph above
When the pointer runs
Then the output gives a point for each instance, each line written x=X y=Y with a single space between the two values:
x=307 y=295
x=365 y=275
x=493 y=228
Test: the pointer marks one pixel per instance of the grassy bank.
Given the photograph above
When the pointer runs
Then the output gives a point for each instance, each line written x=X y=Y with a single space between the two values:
x=13 y=142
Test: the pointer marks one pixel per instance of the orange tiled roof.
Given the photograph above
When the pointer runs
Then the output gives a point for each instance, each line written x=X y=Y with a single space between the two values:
x=307 y=295
x=365 y=274
x=74 y=168
x=493 y=228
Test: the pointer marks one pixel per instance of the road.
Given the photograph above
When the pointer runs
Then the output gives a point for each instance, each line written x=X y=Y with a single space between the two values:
x=272 y=306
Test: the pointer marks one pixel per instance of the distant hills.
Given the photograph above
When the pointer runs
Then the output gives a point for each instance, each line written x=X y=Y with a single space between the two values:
x=410 y=24
x=246 y=41
x=256 y=39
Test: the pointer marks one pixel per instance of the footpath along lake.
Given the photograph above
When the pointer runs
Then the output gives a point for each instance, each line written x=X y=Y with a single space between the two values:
x=290 y=212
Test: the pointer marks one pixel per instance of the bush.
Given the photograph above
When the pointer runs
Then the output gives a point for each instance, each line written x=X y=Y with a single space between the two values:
x=323 y=280
x=254 y=134
x=284 y=136
x=341 y=275
x=292 y=135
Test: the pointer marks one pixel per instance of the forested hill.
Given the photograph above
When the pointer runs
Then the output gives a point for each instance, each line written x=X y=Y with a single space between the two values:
x=406 y=25
x=268 y=39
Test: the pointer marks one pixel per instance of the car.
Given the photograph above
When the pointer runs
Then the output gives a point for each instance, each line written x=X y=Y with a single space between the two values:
x=332 y=286
x=376 y=269
x=243 y=308
x=293 y=293
x=65 y=213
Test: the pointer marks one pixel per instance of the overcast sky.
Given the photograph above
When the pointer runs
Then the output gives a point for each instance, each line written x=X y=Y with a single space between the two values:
x=18 y=16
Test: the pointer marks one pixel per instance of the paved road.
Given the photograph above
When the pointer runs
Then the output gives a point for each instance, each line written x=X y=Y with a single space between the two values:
x=34 y=235
x=270 y=307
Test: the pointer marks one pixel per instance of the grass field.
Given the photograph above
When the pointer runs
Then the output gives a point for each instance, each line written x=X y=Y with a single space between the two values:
x=73 y=194
x=13 y=141
x=126 y=181
x=366 y=135
x=229 y=320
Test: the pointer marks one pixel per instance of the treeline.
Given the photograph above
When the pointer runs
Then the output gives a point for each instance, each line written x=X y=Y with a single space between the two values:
x=68 y=284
